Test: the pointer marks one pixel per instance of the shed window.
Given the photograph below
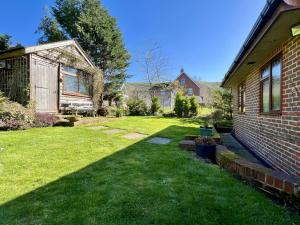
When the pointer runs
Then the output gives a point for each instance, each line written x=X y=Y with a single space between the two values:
x=190 y=92
x=182 y=82
x=76 y=82
x=241 y=97
x=271 y=87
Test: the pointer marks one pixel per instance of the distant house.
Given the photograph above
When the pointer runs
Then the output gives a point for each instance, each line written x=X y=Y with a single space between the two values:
x=45 y=78
x=265 y=81
x=191 y=87
x=166 y=94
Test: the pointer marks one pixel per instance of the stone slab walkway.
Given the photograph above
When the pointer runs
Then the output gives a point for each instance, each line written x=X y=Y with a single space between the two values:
x=98 y=128
x=233 y=145
x=113 y=131
x=132 y=136
x=159 y=141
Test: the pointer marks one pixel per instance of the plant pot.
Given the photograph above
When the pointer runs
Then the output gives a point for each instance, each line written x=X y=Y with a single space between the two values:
x=206 y=131
x=206 y=151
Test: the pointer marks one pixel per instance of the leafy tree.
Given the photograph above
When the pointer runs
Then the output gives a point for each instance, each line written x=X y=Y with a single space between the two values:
x=4 y=42
x=50 y=29
x=194 y=106
x=155 y=106
x=222 y=101
x=179 y=104
x=186 y=106
x=98 y=34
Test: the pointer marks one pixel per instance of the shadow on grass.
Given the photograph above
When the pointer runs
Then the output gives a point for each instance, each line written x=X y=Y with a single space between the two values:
x=144 y=184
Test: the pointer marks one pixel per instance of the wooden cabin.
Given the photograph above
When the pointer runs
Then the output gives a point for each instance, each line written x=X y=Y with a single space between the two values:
x=42 y=74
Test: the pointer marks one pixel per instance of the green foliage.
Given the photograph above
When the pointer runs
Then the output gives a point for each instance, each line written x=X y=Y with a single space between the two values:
x=98 y=34
x=119 y=112
x=222 y=101
x=194 y=109
x=50 y=31
x=137 y=107
x=186 y=106
x=155 y=105
x=4 y=42
x=178 y=108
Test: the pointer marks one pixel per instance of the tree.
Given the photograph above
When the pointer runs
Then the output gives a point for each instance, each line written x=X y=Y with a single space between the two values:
x=50 y=29
x=5 y=42
x=98 y=34
x=155 y=106
x=186 y=106
x=222 y=101
x=178 y=108
x=194 y=106
x=154 y=65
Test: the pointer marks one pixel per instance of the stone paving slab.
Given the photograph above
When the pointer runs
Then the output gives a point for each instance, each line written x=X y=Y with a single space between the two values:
x=233 y=145
x=132 y=136
x=113 y=131
x=159 y=141
x=98 y=128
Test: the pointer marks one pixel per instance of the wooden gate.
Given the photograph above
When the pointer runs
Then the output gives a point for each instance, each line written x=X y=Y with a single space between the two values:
x=44 y=80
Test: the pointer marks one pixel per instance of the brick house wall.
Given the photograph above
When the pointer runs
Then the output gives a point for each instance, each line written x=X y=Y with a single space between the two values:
x=189 y=84
x=274 y=138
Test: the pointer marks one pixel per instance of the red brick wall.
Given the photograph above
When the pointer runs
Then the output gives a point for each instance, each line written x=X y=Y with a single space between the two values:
x=189 y=84
x=276 y=139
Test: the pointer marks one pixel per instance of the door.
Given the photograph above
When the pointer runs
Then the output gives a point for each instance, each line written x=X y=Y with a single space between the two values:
x=45 y=85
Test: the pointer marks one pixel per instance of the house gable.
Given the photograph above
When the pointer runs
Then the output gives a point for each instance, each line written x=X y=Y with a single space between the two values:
x=189 y=85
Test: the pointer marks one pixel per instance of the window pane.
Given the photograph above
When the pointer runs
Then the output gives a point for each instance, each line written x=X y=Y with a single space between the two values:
x=70 y=84
x=84 y=85
x=183 y=82
x=70 y=69
x=276 y=74
x=265 y=72
x=266 y=95
x=190 y=91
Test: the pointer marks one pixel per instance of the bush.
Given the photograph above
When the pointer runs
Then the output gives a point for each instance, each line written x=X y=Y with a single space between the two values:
x=169 y=114
x=119 y=112
x=45 y=120
x=216 y=115
x=194 y=106
x=155 y=106
x=186 y=107
x=179 y=104
x=72 y=119
x=14 y=116
x=103 y=111
x=137 y=108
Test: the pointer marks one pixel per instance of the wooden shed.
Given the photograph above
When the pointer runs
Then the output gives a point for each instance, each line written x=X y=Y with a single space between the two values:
x=43 y=75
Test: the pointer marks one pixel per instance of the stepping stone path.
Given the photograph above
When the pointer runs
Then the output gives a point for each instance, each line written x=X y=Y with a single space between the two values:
x=159 y=141
x=133 y=136
x=98 y=128
x=113 y=131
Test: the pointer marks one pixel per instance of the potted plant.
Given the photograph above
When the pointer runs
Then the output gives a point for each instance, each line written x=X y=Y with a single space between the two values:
x=206 y=148
x=206 y=130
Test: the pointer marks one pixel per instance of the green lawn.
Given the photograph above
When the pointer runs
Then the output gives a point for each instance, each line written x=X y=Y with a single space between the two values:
x=69 y=176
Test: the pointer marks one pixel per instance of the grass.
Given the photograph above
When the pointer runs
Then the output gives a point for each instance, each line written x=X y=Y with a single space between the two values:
x=82 y=176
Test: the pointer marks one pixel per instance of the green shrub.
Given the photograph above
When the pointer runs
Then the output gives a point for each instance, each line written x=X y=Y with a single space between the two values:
x=186 y=106
x=72 y=119
x=137 y=107
x=169 y=114
x=155 y=106
x=178 y=108
x=119 y=112
x=103 y=111
x=194 y=106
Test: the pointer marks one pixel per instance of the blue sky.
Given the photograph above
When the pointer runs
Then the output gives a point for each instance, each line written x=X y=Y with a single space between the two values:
x=203 y=37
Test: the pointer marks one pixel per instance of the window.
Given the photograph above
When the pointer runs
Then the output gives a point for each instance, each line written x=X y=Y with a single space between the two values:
x=76 y=82
x=182 y=82
x=271 y=87
x=190 y=91
x=241 y=97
